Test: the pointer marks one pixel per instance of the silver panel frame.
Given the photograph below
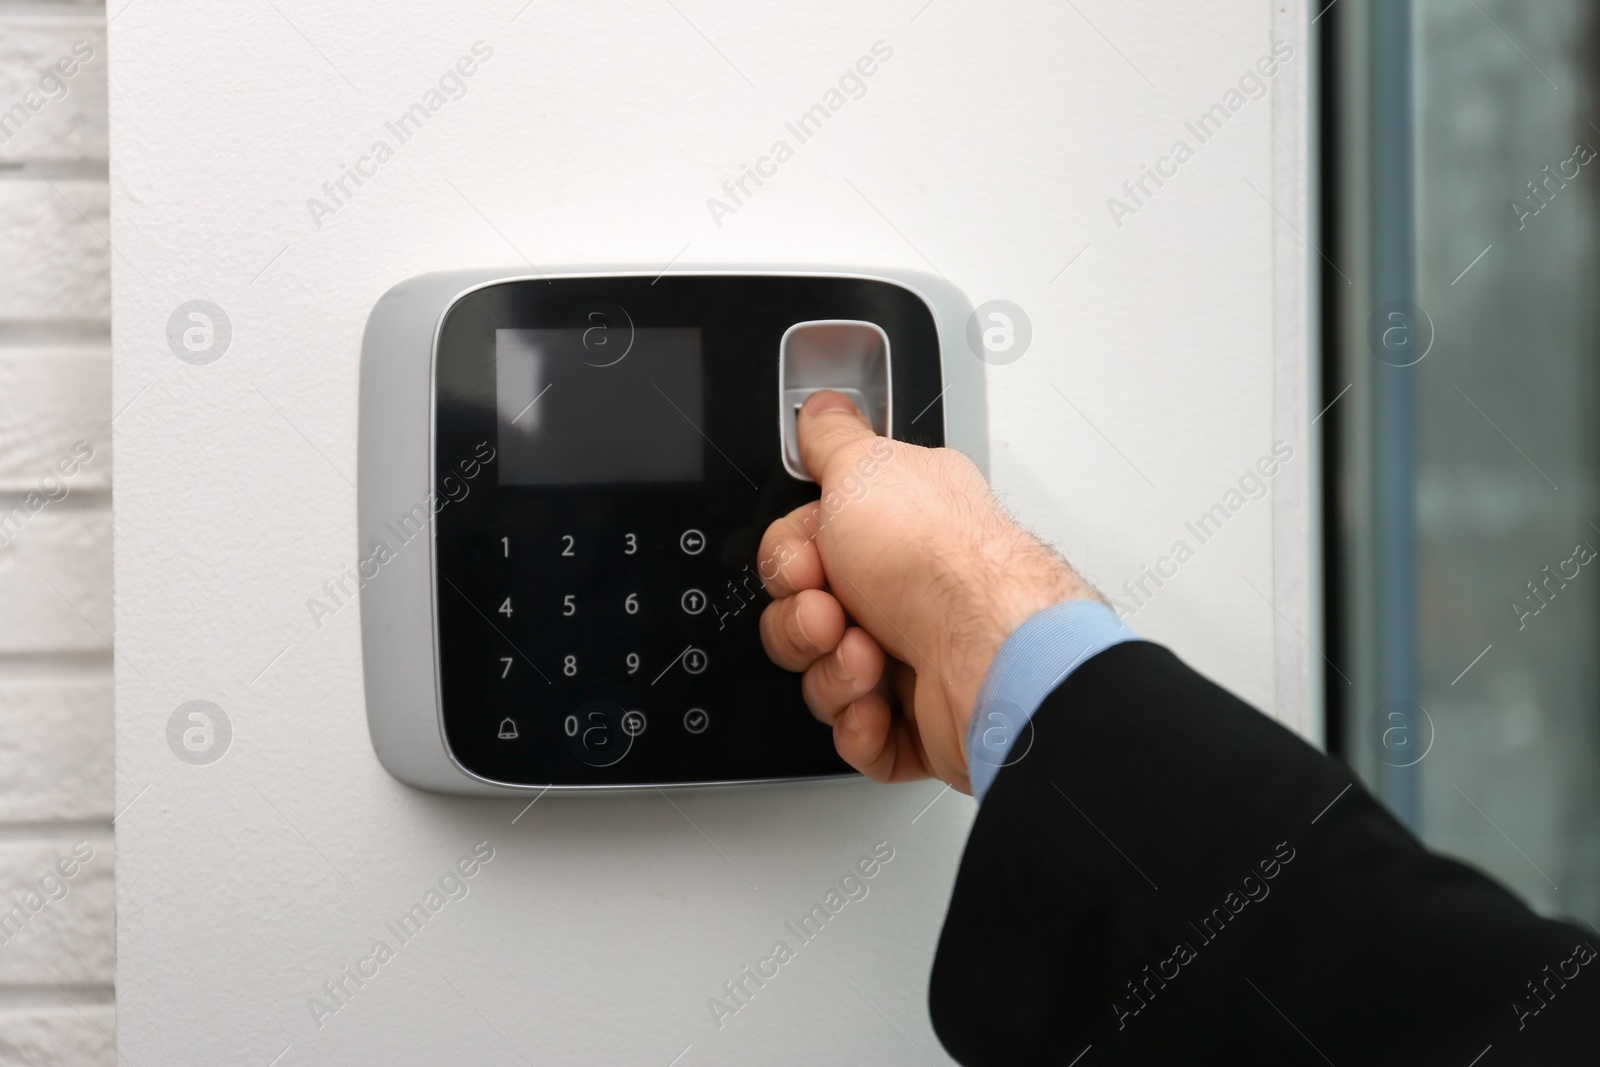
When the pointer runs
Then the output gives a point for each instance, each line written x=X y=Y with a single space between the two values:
x=395 y=476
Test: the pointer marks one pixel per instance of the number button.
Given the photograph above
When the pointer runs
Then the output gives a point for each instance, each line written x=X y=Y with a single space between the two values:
x=693 y=601
x=598 y=732
x=631 y=544
x=693 y=542
x=694 y=660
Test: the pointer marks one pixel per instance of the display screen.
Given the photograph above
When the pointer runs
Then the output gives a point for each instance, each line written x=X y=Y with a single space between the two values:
x=599 y=404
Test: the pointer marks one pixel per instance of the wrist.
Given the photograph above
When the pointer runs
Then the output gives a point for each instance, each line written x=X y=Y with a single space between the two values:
x=1018 y=581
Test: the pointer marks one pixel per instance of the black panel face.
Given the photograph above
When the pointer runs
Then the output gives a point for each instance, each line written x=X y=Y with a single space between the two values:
x=607 y=457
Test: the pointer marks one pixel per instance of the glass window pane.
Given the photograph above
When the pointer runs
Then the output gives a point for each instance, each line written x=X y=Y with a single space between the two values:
x=1480 y=460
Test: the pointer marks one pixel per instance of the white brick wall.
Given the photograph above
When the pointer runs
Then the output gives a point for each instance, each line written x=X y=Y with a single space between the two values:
x=51 y=395
x=36 y=36
x=44 y=1035
x=55 y=926
x=50 y=230
x=68 y=705
x=57 y=933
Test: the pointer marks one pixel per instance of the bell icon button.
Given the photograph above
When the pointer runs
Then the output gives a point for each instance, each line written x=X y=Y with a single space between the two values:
x=508 y=730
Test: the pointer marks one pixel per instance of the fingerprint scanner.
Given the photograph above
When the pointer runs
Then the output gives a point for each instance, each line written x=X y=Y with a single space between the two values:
x=848 y=356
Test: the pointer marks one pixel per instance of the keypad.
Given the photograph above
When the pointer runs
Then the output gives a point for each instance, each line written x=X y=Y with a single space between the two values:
x=627 y=648
x=613 y=605
x=612 y=625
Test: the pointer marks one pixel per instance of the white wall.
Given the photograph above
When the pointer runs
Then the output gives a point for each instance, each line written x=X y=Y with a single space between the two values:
x=987 y=147
x=56 y=933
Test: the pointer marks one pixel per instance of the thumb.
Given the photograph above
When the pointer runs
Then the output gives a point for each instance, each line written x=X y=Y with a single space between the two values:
x=827 y=423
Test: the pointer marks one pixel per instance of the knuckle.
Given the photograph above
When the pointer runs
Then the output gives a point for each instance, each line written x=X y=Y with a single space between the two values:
x=795 y=628
x=844 y=458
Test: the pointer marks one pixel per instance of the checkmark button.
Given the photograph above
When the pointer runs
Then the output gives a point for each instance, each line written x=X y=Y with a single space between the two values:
x=695 y=720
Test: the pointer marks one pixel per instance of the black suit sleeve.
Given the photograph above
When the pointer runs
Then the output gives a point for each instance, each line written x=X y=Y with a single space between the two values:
x=1164 y=875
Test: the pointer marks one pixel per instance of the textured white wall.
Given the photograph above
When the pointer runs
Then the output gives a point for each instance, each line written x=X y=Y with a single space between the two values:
x=56 y=932
x=1165 y=360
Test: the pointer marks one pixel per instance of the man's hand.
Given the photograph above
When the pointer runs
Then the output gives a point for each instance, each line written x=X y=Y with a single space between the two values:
x=894 y=591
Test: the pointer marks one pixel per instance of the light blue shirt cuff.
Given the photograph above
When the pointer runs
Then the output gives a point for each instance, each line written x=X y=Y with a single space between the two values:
x=1037 y=657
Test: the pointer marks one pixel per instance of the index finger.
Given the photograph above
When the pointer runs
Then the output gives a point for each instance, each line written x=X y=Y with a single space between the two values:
x=828 y=423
